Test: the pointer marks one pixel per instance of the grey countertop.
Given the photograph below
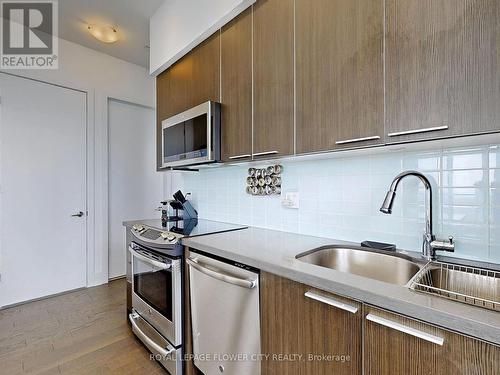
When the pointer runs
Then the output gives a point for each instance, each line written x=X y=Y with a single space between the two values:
x=274 y=252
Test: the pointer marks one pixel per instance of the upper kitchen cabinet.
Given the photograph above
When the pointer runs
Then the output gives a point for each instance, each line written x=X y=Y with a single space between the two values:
x=236 y=88
x=339 y=74
x=205 y=82
x=273 y=56
x=442 y=68
x=192 y=80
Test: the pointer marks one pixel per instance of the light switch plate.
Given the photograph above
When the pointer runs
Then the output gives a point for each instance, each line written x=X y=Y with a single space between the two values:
x=290 y=199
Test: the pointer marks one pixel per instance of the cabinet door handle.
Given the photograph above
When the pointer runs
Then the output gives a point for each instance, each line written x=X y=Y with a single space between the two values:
x=405 y=329
x=331 y=301
x=357 y=140
x=266 y=153
x=415 y=131
x=239 y=156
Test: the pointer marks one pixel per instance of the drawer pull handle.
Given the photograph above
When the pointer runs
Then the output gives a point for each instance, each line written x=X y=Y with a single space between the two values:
x=416 y=131
x=240 y=156
x=330 y=301
x=266 y=153
x=146 y=339
x=357 y=140
x=405 y=329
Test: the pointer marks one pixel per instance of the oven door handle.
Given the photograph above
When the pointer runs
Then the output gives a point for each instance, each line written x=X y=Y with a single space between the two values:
x=153 y=345
x=250 y=284
x=157 y=264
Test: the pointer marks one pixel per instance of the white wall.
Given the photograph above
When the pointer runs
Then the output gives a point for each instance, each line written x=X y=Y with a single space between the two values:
x=340 y=198
x=135 y=188
x=101 y=77
x=81 y=67
x=179 y=25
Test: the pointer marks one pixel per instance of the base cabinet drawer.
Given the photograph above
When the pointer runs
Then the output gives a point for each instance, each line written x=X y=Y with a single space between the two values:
x=308 y=331
x=394 y=344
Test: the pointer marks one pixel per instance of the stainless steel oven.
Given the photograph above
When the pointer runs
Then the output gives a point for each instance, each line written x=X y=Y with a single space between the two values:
x=157 y=304
x=192 y=137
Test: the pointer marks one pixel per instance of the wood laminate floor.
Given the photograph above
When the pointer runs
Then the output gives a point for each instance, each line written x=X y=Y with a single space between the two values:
x=83 y=332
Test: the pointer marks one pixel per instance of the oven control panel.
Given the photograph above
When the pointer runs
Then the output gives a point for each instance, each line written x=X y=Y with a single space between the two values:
x=154 y=235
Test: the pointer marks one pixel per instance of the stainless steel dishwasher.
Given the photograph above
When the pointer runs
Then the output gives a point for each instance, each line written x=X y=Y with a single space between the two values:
x=225 y=316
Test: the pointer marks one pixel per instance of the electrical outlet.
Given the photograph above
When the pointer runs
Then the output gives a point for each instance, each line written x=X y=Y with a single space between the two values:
x=290 y=200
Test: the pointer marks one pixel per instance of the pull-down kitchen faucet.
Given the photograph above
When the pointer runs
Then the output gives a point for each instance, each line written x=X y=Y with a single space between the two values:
x=430 y=244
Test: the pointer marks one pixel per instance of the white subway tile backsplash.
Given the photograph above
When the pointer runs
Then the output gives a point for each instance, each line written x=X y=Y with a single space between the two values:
x=340 y=198
x=356 y=195
x=467 y=231
x=385 y=164
x=476 y=158
x=422 y=162
x=470 y=249
x=464 y=196
x=465 y=214
x=494 y=254
x=494 y=152
x=495 y=216
x=464 y=178
x=495 y=197
x=356 y=208
x=495 y=235
x=381 y=180
x=355 y=165
x=329 y=219
x=495 y=178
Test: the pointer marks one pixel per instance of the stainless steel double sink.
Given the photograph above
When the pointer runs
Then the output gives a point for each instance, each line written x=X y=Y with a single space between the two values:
x=475 y=286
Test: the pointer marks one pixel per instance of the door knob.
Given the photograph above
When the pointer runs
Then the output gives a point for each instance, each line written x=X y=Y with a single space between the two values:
x=79 y=214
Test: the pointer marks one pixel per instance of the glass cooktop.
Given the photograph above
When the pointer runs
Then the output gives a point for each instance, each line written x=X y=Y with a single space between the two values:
x=193 y=227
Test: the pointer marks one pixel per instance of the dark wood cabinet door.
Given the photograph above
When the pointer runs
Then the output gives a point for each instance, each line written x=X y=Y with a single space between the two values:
x=273 y=64
x=442 y=68
x=390 y=350
x=192 y=80
x=204 y=83
x=340 y=90
x=236 y=88
x=325 y=336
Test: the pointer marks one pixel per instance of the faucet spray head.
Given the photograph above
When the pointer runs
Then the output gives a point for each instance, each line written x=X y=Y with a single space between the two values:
x=388 y=202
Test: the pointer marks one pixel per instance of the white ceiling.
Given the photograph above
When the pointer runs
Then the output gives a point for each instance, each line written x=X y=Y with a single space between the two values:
x=130 y=17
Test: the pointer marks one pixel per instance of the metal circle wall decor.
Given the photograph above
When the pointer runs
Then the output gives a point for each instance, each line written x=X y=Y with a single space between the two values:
x=264 y=181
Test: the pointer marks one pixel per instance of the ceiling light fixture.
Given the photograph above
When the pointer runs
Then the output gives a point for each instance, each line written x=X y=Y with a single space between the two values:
x=105 y=34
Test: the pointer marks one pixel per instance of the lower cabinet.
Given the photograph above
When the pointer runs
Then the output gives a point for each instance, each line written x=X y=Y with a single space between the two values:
x=394 y=344
x=307 y=331
x=310 y=332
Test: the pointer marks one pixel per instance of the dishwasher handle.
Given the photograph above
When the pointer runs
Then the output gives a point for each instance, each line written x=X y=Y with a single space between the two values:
x=222 y=276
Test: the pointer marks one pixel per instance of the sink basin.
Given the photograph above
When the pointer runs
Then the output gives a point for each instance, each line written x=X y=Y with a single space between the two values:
x=394 y=268
x=475 y=286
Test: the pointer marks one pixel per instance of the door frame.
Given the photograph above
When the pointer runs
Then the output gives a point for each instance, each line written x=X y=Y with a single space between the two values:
x=102 y=229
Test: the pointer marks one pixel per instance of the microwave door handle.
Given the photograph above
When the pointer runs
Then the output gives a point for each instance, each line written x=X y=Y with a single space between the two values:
x=155 y=263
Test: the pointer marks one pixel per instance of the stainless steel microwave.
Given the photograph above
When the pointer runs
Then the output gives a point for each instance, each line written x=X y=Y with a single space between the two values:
x=192 y=137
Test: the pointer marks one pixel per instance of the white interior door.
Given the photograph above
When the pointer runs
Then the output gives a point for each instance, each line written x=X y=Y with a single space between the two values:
x=135 y=188
x=43 y=183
